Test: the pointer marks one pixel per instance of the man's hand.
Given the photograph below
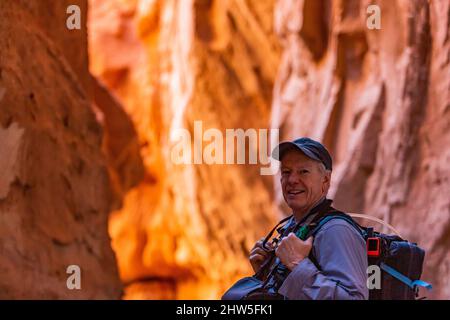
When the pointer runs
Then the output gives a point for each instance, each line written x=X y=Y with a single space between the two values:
x=291 y=250
x=258 y=254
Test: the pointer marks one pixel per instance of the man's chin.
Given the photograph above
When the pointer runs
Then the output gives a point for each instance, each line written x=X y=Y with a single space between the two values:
x=297 y=207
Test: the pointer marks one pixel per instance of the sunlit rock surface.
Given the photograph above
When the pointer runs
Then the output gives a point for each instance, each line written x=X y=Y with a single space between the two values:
x=186 y=230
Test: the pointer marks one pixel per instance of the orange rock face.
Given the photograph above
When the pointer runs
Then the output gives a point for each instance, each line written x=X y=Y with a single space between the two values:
x=55 y=193
x=186 y=230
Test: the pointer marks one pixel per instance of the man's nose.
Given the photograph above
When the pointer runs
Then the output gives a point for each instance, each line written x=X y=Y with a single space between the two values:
x=293 y=178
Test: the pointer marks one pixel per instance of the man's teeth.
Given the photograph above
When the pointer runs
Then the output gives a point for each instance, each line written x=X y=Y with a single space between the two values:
x=296 y=191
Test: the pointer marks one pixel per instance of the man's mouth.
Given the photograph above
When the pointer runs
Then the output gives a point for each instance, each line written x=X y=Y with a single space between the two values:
x=295 y=192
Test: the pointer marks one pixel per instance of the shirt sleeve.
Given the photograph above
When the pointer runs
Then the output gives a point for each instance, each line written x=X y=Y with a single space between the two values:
x=341 y=254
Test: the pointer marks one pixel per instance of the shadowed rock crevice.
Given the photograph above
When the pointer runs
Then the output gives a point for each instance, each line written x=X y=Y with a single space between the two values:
x=315 y=30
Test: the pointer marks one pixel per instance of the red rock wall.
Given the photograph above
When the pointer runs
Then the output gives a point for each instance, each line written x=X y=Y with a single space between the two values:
x=55 y=193
x=380 y=101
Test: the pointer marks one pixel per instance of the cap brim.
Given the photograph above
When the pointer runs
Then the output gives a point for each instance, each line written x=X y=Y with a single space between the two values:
x=280 y=150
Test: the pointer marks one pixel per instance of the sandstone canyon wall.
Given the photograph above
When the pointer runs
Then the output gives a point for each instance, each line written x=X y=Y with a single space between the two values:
x=55 y=193
x=380 y=101
x=70 y=154
x=186 y=230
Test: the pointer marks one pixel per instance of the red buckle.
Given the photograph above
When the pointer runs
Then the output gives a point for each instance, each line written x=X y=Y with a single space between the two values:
x=373 y=247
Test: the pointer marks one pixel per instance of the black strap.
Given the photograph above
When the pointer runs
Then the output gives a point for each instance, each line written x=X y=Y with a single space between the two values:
x=263 y=270
x=269 y=235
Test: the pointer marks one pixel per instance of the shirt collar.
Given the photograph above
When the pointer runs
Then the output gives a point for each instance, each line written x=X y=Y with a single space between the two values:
x=322 y=204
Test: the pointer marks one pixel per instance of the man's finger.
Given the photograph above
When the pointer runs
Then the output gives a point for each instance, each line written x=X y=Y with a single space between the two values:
x=278 y=251
x=259 y=243
x=270 y=245
x=259 y=251
x=256 y=258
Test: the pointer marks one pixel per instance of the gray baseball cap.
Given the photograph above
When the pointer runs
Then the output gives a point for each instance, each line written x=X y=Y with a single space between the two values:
x=311 y=148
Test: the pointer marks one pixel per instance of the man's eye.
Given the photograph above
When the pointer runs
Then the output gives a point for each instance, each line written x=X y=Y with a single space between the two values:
x=285 y=172
x=304 y=171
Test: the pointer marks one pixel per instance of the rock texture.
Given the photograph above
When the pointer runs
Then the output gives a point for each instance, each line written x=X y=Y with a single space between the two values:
x=55 y=193
x=69 y=152
x=186 y=230
x=380 y=101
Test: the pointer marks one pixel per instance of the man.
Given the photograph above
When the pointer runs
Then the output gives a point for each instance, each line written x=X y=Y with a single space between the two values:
x=339 y=271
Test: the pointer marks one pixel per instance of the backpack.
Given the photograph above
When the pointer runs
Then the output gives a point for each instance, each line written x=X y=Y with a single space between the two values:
x=399 y=262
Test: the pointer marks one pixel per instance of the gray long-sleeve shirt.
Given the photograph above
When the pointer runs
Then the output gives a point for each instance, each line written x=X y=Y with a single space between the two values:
x=341 y=254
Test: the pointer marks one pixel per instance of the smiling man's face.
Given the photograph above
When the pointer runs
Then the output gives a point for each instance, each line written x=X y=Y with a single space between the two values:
x=303 y=181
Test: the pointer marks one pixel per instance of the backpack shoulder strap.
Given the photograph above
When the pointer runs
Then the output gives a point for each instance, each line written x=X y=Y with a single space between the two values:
x=336 y=215
x=326 y=218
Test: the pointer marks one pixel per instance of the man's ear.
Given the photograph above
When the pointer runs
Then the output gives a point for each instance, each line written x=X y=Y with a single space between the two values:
x=327 y=180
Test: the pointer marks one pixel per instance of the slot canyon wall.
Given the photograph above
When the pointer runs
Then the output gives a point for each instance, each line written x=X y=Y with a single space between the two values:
x=55 y=192
x=186 y=230
x=75 y=147
x=379 y=100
